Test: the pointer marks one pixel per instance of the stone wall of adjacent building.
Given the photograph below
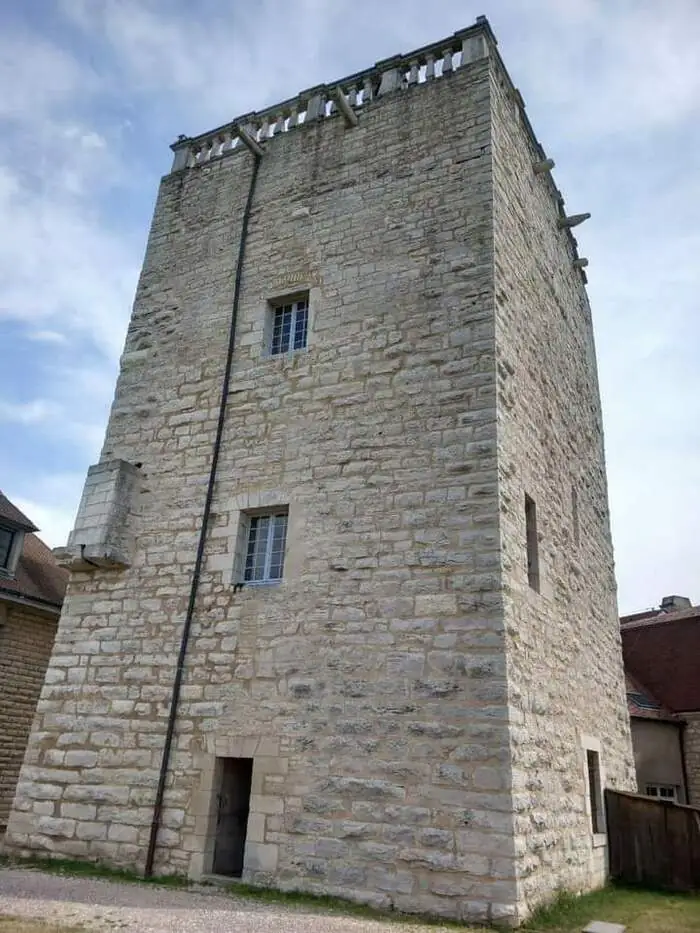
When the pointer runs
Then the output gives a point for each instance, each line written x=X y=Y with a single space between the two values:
x=691 y=738
x=370 y=686
x=565 y=672
x=26 y=640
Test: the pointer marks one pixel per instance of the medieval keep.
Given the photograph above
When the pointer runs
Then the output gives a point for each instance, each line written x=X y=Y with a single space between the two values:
x=342 y=612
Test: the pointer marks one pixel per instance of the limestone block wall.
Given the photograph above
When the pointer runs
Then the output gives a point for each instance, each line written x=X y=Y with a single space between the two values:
x=691 y=740
x=564 y=667
x=102 y=713
x=26 y=640
x=370 y=685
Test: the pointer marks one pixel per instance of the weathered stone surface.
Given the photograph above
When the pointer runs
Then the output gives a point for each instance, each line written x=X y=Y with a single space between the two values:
x=602 y=926
x=562 y=643
x=413 y=709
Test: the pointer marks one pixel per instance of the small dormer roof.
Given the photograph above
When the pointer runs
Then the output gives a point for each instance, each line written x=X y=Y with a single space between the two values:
x=11 y=515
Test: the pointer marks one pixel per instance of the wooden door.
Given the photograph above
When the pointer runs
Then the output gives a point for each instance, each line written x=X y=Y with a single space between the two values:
x=232 y=816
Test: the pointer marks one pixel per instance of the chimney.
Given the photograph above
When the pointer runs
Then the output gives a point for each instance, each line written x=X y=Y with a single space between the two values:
x=671 y=603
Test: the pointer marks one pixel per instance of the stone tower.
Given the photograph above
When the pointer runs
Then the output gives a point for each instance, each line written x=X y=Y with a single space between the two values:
x=351 y=513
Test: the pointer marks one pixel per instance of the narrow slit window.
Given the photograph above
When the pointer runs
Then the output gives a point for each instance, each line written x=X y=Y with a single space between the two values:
x=533 y=560
x=595 y=791
x=290 y=326
x=574 y=516
x=267 y=538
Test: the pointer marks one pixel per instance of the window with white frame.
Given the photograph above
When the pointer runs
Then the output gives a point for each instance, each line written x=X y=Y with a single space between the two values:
x=266 y=540
x=7 y=538
x=290 y=325
x=662 y=791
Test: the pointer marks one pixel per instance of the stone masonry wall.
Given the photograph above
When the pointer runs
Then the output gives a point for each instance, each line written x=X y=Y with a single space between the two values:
x=691 y=740
x=370 y=685
x=564 y=658
x=26 y=639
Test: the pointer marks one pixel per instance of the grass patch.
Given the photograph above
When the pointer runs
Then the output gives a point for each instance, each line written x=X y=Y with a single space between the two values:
x=23 y=925
x=639 y=910
x=79 y=869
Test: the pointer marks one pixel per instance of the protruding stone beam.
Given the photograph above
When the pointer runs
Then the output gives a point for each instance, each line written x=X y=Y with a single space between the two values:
x=580 y=263
x=545 y=165
x=344 y=107
x=248 y=141
x=573 y=220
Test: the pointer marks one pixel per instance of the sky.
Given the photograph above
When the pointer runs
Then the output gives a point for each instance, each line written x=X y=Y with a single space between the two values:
x=94 y=91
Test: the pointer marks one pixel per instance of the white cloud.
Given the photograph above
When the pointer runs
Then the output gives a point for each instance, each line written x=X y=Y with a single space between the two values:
x=610 y=67
x=37 y=76
x=47 y=336
x=27 y=412
x=51 y=504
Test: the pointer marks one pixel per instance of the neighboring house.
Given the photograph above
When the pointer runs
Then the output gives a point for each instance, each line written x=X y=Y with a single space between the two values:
x=661 y=649
x=32 y=587
x=353 y=478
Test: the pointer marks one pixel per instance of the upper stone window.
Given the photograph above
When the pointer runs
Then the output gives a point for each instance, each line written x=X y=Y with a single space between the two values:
x=290 y=324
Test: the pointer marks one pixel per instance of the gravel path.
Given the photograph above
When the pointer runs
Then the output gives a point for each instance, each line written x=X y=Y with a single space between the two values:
x=111 y=906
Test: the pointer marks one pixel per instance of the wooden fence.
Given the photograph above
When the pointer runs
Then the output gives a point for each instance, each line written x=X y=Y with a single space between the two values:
x=653 y=842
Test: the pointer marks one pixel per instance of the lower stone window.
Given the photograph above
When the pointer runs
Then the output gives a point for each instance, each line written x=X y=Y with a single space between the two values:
x=262 y=539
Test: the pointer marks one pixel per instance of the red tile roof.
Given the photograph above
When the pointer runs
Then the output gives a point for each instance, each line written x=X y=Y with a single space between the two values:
x=642 y=705
x=12 y=514
x=662 y=654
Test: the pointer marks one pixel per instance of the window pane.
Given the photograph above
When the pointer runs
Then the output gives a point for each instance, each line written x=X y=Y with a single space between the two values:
x=250 y=550
x=264 y=558
x=261 y=547
x=281 y=328
x=289 y=327
x=286 y=329
x=6 y=537
x=300 y=325
x=279 y=535
x=257 y=547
